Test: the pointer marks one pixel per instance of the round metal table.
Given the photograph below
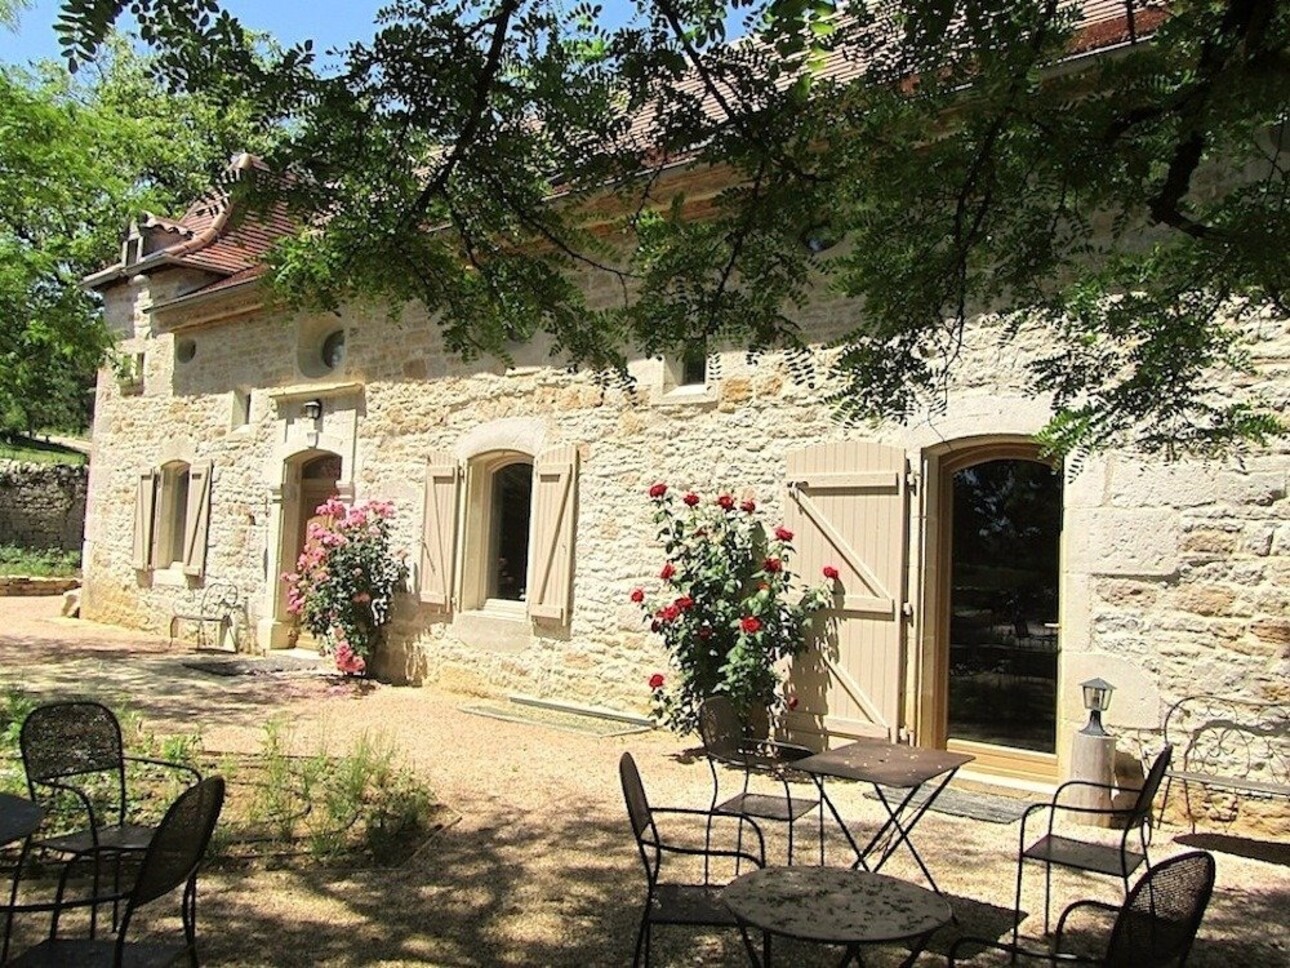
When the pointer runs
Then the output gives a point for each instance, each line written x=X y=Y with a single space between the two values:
x=834 y=905
x=19 y=818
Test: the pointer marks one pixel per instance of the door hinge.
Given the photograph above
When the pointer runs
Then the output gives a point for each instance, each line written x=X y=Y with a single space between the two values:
x=907 y=609
x=911 y=480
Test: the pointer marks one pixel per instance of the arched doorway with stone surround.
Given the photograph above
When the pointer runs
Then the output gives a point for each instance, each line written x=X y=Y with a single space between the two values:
x=318 y=473
x=992 y=580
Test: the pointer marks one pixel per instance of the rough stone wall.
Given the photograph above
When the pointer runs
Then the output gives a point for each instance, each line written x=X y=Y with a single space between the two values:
x=1176 y=576
x=42 y=506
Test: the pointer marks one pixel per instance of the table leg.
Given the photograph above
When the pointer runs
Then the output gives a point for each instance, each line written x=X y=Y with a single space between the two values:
x=842 y=824
x=13 y=899
x=902 y=830
x=758 y=961
x=919 y=944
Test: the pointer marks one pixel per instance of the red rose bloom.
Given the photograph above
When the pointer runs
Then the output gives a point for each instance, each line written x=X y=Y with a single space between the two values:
x=656 y=681
x=783 y=534
x=638 y=595
x=830 y=573
x=792 y=703
x=772 y=565
x=750 y=624
x=668 y=571
x=705 y=632
x=726 y=502
x=748 y=507
x=658 y=490
x=669 y=613
x=691 y=499
x=685 y=603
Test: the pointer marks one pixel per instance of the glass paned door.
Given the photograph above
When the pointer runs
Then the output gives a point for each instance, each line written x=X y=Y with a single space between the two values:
x=1003 y=604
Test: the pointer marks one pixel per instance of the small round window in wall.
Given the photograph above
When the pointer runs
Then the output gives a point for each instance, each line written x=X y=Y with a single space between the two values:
x=333 y=350
x=185 y=350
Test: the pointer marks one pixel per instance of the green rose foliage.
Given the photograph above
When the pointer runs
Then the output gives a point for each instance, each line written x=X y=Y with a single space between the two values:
x=728 y=609
x=344 y=585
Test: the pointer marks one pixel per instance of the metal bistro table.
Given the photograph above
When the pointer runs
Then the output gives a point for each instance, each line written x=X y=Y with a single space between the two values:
x=19 y=819
x=833 y=905
x=885 y=764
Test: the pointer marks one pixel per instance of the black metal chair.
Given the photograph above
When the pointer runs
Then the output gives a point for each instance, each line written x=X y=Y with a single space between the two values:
x=171 y=860
x=1155 y=926
x=726 y=742
x=75 y=749
x=697 y=905
x=1113 y=859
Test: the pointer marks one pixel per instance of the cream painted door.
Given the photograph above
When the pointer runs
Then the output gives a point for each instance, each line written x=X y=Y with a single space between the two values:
x=847 y=504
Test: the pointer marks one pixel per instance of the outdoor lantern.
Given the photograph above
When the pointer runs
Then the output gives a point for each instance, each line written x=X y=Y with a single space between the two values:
x=313 y=409
x=1097 y=698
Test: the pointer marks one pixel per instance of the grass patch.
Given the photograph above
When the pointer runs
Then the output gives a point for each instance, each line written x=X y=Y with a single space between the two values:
x=48 y=563
x=33 y=451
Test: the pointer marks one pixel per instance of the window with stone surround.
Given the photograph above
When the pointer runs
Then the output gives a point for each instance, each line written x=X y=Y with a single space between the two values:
x=172 y=519
x=514 y=559
x=688 y=377
x=171 y=510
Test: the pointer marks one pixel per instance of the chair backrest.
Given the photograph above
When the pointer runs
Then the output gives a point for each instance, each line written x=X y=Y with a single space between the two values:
x=180 y=842
x=1150 y=786
x=634 y=793
x=1162 y=914
x=719 y=727
x=64 y=739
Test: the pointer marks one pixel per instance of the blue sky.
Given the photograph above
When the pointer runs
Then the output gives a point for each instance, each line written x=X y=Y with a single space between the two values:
x=330 y=23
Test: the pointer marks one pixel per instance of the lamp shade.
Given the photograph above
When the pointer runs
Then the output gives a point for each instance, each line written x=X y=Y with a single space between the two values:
x=313 y=409
x=1097 y=694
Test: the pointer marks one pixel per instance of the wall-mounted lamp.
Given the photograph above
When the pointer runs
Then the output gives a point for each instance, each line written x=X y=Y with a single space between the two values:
x=312 y=409
x=1097 y=699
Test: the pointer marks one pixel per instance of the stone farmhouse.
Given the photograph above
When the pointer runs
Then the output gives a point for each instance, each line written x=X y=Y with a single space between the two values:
x=521 y=500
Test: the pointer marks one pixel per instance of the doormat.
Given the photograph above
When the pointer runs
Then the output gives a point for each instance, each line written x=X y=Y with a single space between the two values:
x=567 y=722
x=988 y=807
x=283 y=665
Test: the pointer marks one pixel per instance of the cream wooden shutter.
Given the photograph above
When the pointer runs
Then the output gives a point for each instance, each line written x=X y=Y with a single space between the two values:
x=439 y=530
x=197 y=521
x=847 y=504
x=550 y=578
x=145 y=507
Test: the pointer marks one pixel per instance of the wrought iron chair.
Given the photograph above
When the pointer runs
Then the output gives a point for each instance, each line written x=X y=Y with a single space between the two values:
x=1116 y=860
x=1155 y=926
x=698 y=905
x=75 y=748
x=726 y=742
x=172 y=859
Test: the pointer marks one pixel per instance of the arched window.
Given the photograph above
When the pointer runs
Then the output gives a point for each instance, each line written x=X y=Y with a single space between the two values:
x=171 y=522
x=499 y=519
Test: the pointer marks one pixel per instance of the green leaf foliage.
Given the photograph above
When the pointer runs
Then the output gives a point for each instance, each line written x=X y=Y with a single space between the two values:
x=498 y=160
x=79 y=158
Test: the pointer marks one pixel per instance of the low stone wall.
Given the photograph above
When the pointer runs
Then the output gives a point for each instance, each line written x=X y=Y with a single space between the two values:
x=42 y=506
x=20 y=586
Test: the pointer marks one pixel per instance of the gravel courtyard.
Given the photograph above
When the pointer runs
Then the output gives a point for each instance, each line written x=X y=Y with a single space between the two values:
x=539 y=867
